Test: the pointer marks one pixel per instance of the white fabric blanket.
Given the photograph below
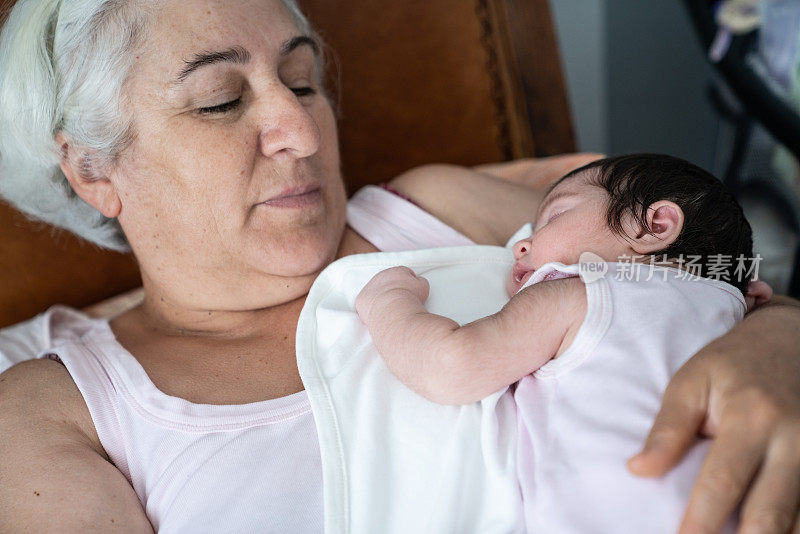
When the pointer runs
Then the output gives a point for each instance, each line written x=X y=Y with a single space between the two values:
x=393 y=461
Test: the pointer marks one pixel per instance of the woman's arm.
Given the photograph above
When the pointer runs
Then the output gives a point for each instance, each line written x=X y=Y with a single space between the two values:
x=537 y=172
x=451 y=364
x=484 y=208
x=54 y=475
x=490 y=202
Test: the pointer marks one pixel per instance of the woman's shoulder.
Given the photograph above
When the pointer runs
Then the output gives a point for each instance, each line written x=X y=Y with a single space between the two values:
x=391 y=222
x=55 y=455
x=40 y=391
x=41 y=394
x=485 y=208
x=33 y=383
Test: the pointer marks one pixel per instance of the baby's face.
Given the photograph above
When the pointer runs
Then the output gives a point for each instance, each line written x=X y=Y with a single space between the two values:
x=571 y=221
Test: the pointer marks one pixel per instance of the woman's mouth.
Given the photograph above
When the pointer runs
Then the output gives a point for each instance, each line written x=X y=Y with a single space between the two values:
x=296 y=197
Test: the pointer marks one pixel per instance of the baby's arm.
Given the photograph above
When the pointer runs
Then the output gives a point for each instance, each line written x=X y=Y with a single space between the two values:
x=452 y=364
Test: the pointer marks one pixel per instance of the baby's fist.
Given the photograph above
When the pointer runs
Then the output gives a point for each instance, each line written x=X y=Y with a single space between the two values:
x=380 y=288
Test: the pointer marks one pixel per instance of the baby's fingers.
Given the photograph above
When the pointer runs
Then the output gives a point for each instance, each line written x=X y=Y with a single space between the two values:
x=383 y=283
x=423 y=288
x=364 y=303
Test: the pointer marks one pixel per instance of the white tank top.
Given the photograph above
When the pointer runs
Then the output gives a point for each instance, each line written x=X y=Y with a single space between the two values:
x=210 y=468
x=582 y=415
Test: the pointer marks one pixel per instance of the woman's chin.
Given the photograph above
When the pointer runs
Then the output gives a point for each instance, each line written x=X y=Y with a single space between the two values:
x=293 y=252
x=300 y=261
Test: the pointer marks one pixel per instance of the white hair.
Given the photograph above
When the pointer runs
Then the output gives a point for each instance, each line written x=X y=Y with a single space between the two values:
x=64 y=66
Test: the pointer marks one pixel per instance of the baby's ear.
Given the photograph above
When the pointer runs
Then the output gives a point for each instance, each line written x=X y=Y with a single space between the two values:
x=665 y=222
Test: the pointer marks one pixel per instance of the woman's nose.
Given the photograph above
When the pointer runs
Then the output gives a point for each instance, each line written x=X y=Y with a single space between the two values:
x=521 y=248
x=289 y=129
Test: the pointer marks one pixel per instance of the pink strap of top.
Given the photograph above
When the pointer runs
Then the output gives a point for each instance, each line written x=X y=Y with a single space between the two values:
x=394 y=224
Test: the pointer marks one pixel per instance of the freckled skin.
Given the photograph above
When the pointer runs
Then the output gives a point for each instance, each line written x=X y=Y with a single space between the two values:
x=222 y=266
x=568 y=227
x=191 y=184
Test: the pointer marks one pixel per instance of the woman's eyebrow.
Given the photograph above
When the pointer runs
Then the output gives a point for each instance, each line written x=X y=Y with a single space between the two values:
x=237 y=54
x=300 y=40
x=240 y=55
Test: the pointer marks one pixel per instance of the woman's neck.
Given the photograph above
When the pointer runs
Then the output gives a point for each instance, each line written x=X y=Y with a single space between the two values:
x=162 y=314
x=159 y=315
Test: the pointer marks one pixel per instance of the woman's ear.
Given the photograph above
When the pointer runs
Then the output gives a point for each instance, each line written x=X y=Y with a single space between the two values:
x=665 y=223
x=97 y=191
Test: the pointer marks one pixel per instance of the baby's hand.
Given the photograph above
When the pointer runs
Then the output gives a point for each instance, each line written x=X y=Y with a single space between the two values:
x=384 y=283
x=758 y=293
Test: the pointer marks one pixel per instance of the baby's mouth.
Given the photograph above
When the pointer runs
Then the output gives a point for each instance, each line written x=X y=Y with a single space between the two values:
x=521 y=273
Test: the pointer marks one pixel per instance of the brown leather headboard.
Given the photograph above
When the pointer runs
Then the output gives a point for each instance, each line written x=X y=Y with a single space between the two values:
x=415 y=81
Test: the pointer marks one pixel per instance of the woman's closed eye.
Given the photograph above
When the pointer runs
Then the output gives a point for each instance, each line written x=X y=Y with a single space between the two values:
x=304 y=91
x=221 y=108
x=233 y=104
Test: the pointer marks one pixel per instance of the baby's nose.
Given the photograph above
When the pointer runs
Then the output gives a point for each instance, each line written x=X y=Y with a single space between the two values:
x=521 y=247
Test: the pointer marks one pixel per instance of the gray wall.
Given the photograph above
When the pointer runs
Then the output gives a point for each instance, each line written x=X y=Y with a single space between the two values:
x=582 y=34
x=637 y=78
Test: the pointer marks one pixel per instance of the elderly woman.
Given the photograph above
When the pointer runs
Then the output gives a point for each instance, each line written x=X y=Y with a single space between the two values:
x=196 y=132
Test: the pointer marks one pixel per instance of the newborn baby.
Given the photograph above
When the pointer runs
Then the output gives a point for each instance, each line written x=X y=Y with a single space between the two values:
x=593 y=344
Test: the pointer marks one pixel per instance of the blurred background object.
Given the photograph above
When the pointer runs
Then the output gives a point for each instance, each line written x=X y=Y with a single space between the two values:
x=714 y=82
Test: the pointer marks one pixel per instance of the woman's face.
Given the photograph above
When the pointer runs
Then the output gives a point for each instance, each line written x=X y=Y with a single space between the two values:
x=231 y=191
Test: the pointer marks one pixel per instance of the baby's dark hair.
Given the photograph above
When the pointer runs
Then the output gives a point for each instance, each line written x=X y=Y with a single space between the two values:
x=714 y=226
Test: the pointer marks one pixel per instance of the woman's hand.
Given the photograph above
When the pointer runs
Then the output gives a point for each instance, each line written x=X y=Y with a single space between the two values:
x=743 y=390
x=379 y=289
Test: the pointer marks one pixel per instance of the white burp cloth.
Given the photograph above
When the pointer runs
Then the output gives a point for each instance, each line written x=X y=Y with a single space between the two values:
x=393 y=461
